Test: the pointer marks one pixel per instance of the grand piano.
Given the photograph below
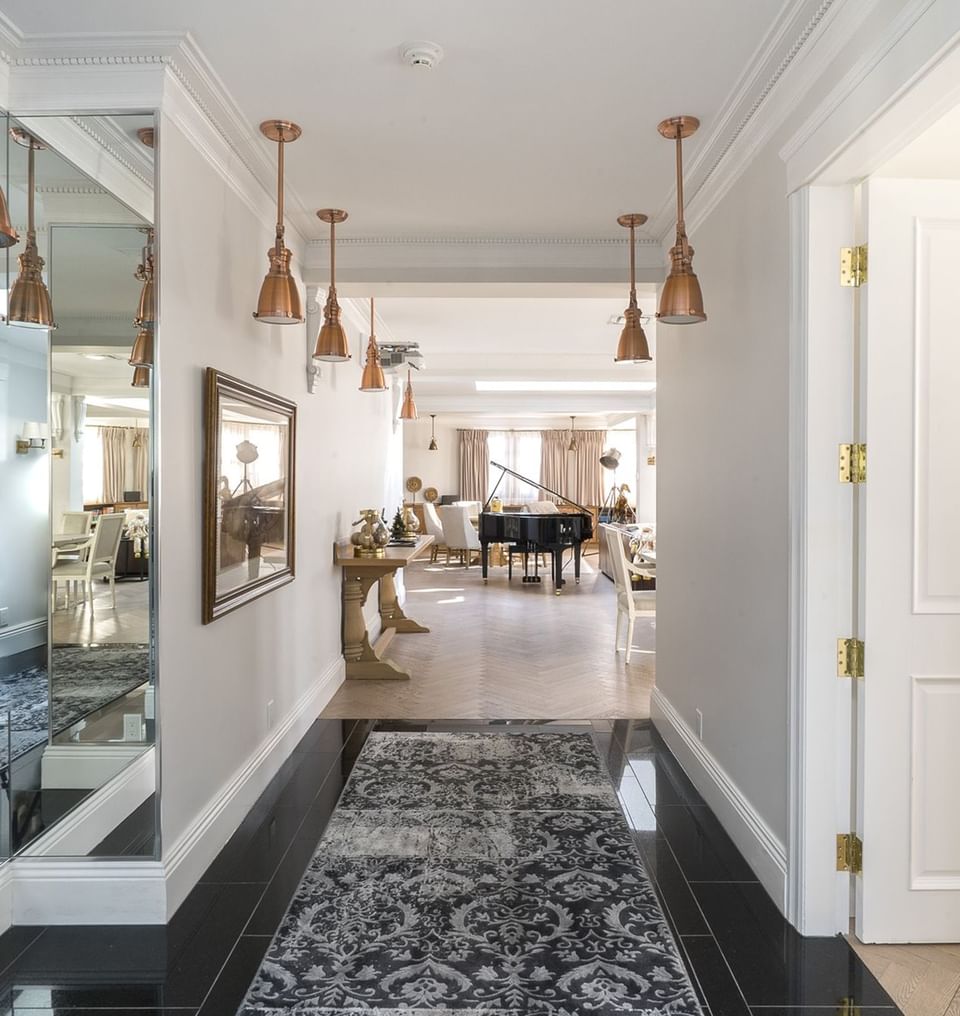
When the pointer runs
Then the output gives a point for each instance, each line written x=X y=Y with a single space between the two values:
x=535 y=534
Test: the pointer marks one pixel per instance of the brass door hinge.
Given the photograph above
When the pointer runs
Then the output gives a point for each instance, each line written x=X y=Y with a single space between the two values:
x=848 y=1007
x=849 y=853
x=850 y=654
x=853 y=463
x=853 y=265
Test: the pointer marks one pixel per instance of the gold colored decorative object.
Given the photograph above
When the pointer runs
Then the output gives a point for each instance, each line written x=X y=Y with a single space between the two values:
x=572 y=447
x=681 y=301
x=496 y=504
x=371 y=539
x=413 y=484
x=632 y=347
x=8 y=235
x=29 y=302
x=332 y=345
x=141 y=377
x=142 y=353
x=408 y=411
x=433 y=446
x=279 y=302
x=147 y=136
x=373 y=379
x=431 y=494
x=411 y=524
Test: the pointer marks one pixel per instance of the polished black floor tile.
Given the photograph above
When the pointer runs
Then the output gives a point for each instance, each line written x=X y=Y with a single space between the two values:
x=704 y=852
x=276 y=897
x=318 y=814
x=713 y=978
x=61 y=1011
x=252 y=854
x=231 y=986
x=683 y=911
x=14 y=941
x=772 y=963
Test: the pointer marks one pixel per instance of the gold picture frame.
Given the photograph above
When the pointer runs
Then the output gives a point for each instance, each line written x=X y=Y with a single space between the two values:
x=249 y=504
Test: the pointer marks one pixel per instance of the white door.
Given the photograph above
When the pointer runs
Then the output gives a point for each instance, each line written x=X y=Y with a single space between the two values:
x=909 y=718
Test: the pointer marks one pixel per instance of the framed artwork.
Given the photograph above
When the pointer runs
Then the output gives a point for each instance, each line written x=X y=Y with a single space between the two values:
x=248 y=493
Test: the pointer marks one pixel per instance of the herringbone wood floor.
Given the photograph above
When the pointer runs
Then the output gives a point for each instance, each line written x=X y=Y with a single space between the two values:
x=507 y=651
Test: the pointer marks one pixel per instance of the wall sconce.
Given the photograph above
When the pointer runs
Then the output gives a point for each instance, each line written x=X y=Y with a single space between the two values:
x=32 y=435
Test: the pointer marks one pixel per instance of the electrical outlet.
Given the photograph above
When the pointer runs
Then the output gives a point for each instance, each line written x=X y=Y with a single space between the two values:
x=4 y=614
x=270 y=714
x=132 y=727
x=699 y=724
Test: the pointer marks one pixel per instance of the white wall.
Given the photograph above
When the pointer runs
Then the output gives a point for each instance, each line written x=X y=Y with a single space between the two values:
x=646 y=487
x=722 y=515
x=215 y=681
x=440 y=469
x=24 y=487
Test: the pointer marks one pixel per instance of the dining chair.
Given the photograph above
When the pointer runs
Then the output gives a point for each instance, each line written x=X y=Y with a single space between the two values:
x=100 y=561
x=458 y=532
x=73 y=524
x=631 y=603
x=434 y=528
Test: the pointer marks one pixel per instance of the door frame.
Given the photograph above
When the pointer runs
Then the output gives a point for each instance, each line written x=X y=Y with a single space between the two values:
x=871 y=115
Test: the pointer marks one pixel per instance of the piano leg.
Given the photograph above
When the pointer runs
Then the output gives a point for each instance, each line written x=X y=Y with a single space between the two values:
x=484 y=553
x=576 y=562
x=558 y=569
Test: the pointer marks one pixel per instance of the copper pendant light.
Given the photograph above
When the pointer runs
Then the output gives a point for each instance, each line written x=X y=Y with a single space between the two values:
x=332 y=344
x=141 y=377
x=433 y=446
x=8 y=235
x=146 y=315
x=373 y=379
x=29 y=298
x=681 y=302
x=279 y=302
x=572 y=447
x=632 y=347
x=408 y=411
x=142 y=353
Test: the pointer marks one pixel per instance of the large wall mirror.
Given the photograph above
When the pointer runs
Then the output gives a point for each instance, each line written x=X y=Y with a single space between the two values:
x=77 y=540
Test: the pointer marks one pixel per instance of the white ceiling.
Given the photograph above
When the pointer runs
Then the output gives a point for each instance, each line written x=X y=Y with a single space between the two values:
x=539 y=121
x=469 y=339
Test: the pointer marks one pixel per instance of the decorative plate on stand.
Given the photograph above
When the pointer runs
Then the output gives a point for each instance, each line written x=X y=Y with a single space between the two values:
x=413 y=484
x=431 y=494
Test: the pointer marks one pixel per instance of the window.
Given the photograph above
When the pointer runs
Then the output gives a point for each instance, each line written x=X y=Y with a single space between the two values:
x=518 y=450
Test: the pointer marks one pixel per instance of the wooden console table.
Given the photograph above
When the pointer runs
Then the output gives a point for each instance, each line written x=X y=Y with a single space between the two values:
x=359 y=574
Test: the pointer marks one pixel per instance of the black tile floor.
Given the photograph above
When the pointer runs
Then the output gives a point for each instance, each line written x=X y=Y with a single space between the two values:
x=743 y=957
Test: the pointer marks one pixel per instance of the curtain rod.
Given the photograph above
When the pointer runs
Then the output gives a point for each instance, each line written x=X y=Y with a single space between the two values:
x=541 y=430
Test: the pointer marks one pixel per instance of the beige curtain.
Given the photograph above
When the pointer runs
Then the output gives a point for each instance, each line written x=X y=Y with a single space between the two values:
x=553 y=461
x=474 y=465
x=141 y=445
x=114 y=442
x=589 y=474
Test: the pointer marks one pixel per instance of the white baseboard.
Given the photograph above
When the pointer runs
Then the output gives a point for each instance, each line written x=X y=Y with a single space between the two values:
x=187 y=859
x=77 y=766
x=83 y=828
x=763 y=851
x=17 y=638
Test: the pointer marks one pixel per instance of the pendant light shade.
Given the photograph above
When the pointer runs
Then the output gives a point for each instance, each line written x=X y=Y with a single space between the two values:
x=433 y=446
x=681 y=302
x=373 y=379
x=146 y=315
x=572 y=447
x=632 y=347
x=408 y=411
x=29 y=302
x=142 y=353
x=141 y=377
x=332 y=344
x=279 y=302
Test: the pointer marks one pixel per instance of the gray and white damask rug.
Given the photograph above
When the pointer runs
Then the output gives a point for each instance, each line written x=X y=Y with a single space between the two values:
x=466 y=873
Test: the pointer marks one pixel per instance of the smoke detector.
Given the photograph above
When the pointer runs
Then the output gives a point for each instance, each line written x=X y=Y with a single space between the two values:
x=421 y=54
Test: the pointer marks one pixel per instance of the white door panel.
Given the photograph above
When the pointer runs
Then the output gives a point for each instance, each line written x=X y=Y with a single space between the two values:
x=910 y=703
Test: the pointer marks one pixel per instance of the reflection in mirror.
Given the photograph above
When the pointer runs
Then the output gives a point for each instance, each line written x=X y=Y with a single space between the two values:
x=76 y=674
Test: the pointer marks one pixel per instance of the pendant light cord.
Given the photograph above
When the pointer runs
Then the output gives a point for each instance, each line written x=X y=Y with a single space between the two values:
x=633 y=269
x=31 y=229
x=333 y=259
x=280 y=194
x=681 y=225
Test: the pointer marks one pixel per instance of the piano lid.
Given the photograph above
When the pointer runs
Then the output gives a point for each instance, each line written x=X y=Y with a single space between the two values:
x=533 y=483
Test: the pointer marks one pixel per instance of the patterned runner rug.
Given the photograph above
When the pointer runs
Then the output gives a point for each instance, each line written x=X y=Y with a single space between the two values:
x=474 y=873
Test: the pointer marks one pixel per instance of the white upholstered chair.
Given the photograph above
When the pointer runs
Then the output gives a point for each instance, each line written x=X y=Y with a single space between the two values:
x=458 y=532
x=434 y=528
x=99 y=562
x=473 y=510
x=631 y=603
